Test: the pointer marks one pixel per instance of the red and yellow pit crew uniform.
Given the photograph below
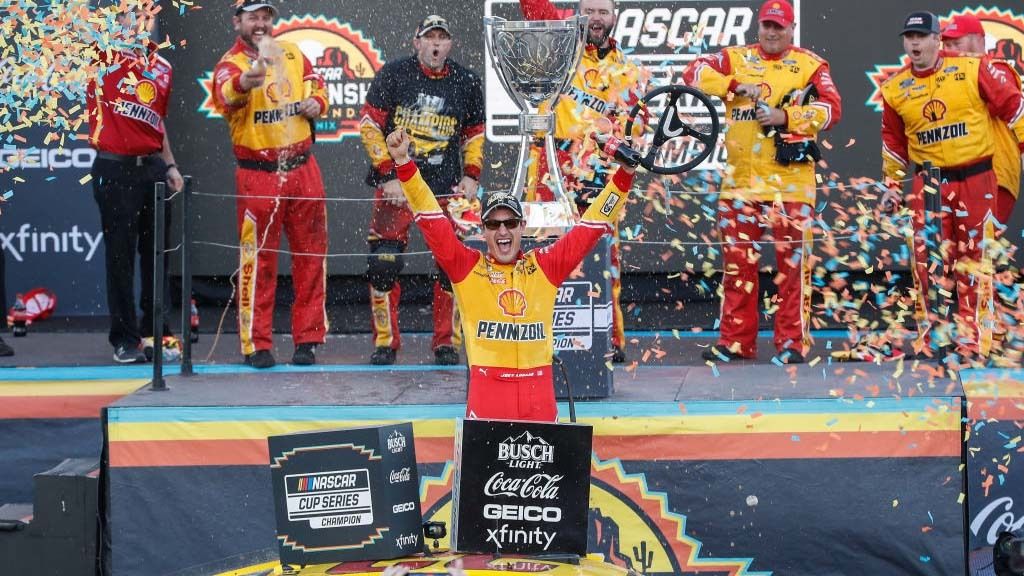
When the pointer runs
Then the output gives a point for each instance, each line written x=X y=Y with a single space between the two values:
x=1006 y=160
x=279 y=184
x=760 y=192
x=942 y=116
x=443 y=112
x=606 y=86
x=507 y=309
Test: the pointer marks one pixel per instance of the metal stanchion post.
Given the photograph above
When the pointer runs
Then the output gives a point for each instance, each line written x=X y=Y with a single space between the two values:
x=933 y=223
x=160 y=196
x=186 y=279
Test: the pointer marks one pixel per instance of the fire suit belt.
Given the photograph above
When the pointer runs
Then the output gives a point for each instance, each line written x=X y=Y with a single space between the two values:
x=267 y=166
x=962 y=173
x=124 y=158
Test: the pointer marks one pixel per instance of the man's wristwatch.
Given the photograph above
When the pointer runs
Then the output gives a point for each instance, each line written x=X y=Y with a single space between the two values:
x=169 y=166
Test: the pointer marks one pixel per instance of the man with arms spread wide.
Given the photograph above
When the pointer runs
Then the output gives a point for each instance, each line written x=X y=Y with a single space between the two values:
x=506 y=297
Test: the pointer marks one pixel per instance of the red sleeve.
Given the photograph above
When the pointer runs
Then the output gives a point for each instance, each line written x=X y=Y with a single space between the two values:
x=719 y=81
x=455 y=258
x=224 y=73
x=539 y=10
x=318 y=91
x=998 y=88
x=894 y=139
x=828 y=95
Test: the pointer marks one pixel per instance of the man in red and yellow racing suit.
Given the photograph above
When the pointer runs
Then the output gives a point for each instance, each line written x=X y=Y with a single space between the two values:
x=506 y=297
x=937 y=109
x=766 y=188
x=268 y=101
x=606 y=85
x=966 y=35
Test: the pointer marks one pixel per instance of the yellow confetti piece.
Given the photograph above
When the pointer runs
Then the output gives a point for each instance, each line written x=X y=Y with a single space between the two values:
x=895 y=503
x=19 y=179
x=960 y=498
x=85 y=179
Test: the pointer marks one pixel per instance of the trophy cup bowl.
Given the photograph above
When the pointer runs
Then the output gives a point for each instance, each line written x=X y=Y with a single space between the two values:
x=535 y=62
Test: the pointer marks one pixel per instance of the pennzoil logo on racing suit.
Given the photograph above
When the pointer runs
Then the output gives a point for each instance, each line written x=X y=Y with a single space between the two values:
x=341 y=55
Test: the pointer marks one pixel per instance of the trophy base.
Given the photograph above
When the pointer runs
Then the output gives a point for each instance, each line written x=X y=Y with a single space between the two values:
x=547 y=219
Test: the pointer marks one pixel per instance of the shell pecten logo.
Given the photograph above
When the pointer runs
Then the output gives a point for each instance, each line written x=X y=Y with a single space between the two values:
x=934 y=110
x=145 y=92
x=512 y=302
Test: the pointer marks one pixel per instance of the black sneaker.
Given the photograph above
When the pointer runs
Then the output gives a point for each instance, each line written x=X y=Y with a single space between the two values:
x=790 y=356
x=129 y=355
x=260 y=359
x=383 y=356
x=445 y=356
x=5 y=348
x=720 y=354
x=618 y=355
x=305 y=355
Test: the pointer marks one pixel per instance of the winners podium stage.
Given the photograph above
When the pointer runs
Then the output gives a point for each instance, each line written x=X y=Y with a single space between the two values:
x=745 y=469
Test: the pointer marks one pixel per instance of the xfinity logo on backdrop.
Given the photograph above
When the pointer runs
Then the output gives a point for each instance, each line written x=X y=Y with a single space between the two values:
x=29 y=240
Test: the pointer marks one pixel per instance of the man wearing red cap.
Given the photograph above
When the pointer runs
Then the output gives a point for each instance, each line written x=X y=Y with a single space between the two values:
x=966 y=35
x=937 y=109
x=269 y=93
x=778 y=97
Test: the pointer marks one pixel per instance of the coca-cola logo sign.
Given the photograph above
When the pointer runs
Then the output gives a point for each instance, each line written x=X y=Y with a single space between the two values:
x=513 y=495
x=542 y=486
x=399 y=476
x=997 y=516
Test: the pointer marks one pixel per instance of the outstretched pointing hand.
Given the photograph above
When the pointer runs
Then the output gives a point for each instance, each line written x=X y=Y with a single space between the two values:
x=398 y=146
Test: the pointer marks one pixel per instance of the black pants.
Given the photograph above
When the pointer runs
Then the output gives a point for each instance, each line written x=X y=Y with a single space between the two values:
x=124 y=193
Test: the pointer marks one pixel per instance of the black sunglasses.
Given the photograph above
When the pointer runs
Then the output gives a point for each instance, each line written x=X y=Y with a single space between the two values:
x=510 y=223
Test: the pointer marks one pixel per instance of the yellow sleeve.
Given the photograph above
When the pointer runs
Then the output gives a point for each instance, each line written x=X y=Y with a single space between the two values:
x=417 y=192
x=605 y=209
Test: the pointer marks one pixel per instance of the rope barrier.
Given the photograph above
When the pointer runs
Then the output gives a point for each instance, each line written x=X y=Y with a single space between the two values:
x=277 y=251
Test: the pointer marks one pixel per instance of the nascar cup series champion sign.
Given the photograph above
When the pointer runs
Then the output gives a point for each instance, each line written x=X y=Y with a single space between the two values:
x=521 y=487
x=343 y=495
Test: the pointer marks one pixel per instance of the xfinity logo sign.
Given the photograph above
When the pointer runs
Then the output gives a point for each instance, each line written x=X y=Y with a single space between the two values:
x=29 y=240
x=406 y=540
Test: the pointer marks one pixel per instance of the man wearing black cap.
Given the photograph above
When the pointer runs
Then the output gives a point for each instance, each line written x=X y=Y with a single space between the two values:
x=440 y=104
x=931 y=113
x=268 y=92
x=507 y=297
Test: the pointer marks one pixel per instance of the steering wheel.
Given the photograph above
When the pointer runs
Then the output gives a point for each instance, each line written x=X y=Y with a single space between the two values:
x=671 y=126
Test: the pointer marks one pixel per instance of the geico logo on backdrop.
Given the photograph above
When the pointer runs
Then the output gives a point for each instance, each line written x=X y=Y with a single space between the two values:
x=403 y=507
x=46 y=158
x=30 y=240
x=528 y=513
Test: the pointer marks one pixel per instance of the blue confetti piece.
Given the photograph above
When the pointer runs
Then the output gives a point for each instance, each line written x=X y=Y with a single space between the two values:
x=795 y=438
x=926 y=559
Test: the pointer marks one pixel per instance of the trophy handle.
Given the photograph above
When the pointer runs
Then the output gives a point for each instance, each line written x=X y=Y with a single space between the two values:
x=489 y=23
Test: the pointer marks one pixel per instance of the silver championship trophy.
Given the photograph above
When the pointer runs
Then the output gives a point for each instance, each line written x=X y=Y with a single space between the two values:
x=535 y=62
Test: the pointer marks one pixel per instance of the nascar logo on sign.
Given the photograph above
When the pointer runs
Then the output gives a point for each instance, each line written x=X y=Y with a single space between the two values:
x=347 y=61
x=330 y=499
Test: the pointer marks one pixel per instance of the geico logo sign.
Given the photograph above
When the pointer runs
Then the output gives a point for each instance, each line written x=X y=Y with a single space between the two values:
x=30 y=240
x=398 y=476
x=528 y=513
x=538 y=486
x=396 y=442
x=403 y=507
x=46 y=158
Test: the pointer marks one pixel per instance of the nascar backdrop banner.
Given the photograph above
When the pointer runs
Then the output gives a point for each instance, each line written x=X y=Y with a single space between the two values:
x=722 y=488
x=348 y=42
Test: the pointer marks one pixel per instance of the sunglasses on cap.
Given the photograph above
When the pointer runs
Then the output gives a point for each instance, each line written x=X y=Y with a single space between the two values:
x=510 y=223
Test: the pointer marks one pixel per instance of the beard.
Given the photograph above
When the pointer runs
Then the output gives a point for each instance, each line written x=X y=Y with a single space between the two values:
x=598 y=37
